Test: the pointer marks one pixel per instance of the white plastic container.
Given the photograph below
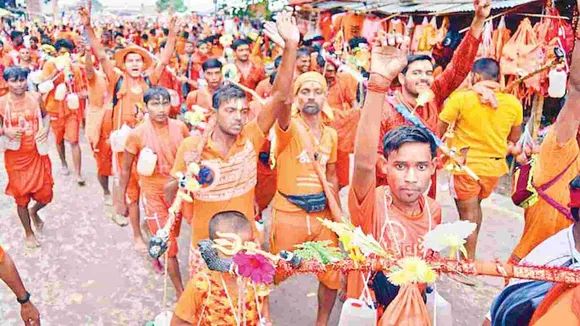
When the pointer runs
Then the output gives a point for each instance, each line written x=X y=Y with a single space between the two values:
x=72 y=101
x=46 y=86
x=174 y=96
x=60 y=92
x=118 y=138
x=147 y=161
x=356 y=312
x=444 y=313
x=557 y=88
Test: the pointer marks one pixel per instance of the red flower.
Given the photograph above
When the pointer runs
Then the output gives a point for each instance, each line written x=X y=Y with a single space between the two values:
x=255 y=267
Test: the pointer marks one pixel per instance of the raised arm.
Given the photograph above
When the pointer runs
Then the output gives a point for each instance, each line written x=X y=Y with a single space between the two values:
x=279 y=104
x=386 y=63
x=96 y=45
x=568 y=121
x=168 y=50
x=463 y=57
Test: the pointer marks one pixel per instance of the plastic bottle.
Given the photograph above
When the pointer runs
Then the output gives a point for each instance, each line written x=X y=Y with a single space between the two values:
x=557 y=88
x=356 y=312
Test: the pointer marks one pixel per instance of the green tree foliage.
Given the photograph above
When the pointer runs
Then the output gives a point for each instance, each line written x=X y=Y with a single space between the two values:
x=178 y=5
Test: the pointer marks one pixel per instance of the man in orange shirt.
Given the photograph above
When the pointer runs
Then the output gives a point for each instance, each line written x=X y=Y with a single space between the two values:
x=212 y=72
x=250 y=73
x=9 y=274
x=297 y=140
x=161 y=136
x=64 y=114
x=190 y=67
x=341 y=97
x=127 y=88
x=229 y=152
x=398 y=215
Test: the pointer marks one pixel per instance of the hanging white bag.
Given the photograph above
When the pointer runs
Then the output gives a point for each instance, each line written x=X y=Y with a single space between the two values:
x=118 y=138
x=60 y=92
x=72 y=101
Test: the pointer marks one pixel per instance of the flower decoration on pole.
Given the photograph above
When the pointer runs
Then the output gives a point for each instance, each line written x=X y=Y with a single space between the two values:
x=321 y=251
x=255 y=267
x=451 y=235
x=197 y=118
x=412 y=270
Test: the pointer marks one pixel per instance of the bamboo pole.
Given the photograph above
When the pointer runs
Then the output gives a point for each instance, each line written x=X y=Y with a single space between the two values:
x=537 y=111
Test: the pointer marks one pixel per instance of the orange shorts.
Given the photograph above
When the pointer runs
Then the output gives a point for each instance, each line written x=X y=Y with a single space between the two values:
x=104 y=157
x=343 y=168
x=463 y=187
x=293 y=228
x=43 y=195
x=156 y=215
x=65 y=128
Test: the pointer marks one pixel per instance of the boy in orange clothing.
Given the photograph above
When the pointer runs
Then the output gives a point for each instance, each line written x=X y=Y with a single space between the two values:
x=25 y=122
x=398 y=215
x=65 y=120
x=203 y=302
x=250 y=73
x=161 y=135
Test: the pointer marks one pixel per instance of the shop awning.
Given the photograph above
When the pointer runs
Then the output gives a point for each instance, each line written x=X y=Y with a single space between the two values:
x=447 y=7
x=397 y=6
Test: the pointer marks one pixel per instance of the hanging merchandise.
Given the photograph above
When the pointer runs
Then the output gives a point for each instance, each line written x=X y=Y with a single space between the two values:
x=417 y=34
x=409 y=26
x=557 y=83
x=499 y=38
x=485 y=46
x=523 y=54
x=396 y=26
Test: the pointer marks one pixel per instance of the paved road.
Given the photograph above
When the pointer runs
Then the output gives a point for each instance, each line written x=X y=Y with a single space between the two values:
x=86 y=272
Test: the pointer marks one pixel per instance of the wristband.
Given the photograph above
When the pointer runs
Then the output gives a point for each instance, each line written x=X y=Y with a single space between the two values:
x=25 y=300
x=380 y=88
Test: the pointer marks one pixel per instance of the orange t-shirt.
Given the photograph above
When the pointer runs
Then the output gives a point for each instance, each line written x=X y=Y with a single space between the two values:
x=342 y=93
x=97 y=88
x=135 y=143
x=296 y=174
x=77 y=84
x=205 y=289
x=234 y=178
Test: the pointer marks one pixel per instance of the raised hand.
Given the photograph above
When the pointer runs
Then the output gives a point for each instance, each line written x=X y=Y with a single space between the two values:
x=85 y=16
x=287 y=27
x=389 y=56
x=482 y=8
x=271 y=30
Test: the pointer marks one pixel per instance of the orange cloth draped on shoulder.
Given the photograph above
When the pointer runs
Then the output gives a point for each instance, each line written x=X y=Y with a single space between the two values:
x=29 y=173
x=406 y=234
x=542 y=220
x=2 y=255
x=164 y=142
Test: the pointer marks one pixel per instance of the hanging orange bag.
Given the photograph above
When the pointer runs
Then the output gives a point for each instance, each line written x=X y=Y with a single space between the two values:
x=407 y=309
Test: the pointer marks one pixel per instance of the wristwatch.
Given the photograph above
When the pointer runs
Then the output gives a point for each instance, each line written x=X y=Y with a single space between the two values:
x=25 y=300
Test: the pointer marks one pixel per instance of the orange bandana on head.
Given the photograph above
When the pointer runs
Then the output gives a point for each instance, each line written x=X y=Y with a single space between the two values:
x=313 y=76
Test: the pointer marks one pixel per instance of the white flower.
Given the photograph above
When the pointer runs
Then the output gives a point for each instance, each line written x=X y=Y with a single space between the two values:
x=449 y=235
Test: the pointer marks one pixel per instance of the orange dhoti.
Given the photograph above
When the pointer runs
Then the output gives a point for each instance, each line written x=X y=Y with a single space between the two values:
x=292 y=228
x=104 y=157
x=156 y=215
x=29 y=175
x=133 y=188
x=65 y=127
